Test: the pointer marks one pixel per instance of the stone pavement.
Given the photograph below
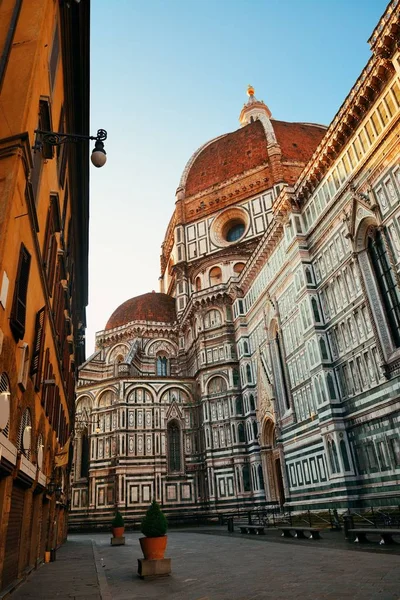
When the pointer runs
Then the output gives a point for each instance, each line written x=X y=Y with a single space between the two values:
x=217 y=567
x=72 y=575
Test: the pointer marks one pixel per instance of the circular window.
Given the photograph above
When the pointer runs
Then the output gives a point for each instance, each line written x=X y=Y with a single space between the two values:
x=235 y=232
x=230 y=226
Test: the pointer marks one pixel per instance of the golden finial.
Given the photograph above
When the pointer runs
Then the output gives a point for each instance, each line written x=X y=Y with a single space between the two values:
x=250 y=90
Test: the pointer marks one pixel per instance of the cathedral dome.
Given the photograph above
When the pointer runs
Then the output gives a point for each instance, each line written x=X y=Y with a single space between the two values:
x=229 y=157
x=147 y=307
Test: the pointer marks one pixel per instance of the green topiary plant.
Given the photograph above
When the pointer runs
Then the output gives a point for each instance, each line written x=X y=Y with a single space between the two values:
x=118 y=520
x=154 y=523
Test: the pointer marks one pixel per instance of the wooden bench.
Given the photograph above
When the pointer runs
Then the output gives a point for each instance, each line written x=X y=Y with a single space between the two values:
x=299 y=532
x=385 y=533
x=257 y=529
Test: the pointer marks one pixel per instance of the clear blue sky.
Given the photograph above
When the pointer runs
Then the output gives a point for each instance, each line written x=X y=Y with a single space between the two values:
x=168 y=75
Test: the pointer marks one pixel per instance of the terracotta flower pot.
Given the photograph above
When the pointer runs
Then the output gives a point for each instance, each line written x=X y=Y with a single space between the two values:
x=118 y=531
x=153 y=548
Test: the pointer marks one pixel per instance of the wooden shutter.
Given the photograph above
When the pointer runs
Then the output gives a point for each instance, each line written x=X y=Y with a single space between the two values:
x=18 y=311
x=46 y=369
x=38 y=348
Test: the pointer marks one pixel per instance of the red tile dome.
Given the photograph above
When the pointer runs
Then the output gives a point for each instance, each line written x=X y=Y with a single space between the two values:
x=147 y=307
x=236 y=153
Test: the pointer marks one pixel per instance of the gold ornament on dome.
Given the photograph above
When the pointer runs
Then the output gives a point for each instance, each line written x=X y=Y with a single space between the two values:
x=250 y=90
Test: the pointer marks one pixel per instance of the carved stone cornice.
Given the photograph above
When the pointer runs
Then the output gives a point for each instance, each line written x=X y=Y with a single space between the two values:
x=137 y=329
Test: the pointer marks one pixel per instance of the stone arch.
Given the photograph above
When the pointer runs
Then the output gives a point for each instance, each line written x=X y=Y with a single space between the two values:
x=219 y=376
x=161 y=346
x=360 y=236
x=118 y=350
x=272 y=460
x=174 y=387
x=105 y=398
x=133 y=397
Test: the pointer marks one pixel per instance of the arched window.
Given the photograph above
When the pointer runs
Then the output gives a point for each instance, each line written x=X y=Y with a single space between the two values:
x=308 y=275
x=162 y=366
x=317 y=390
x=233 y=434
x=212 y=319
x=235 y=374
x=279 y=373
x=252 y=403
x=217 y=385
x=246 y=478
x=238 y=267
x=335 y=457
x=386 y=283
x=215 y=276
x=248 y=373
x=255 y=430
x=324 y=351
x=241 y=435
x=239 y=405
x=331 y=387
x=260 y=477
x=315 y=309
x=345 y=457
x=330 y=454
x=174 y=447
x=198 y=284
x=245 y=347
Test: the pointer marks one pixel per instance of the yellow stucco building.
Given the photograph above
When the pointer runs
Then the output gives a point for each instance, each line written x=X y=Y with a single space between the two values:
x=44 y=195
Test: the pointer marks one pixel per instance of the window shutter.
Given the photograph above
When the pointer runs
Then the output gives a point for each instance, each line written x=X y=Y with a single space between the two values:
x=46 y=370
x=18 y=312
x=38 y=348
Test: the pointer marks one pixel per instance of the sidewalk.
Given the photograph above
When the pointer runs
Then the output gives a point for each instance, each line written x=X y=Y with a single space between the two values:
x=72 y=575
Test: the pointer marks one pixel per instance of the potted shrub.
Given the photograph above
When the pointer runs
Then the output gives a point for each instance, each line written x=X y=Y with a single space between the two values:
x=154 y=526
x=118 y=525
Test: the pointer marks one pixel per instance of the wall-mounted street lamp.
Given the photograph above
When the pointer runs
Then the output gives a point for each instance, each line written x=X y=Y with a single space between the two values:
x=54 y=138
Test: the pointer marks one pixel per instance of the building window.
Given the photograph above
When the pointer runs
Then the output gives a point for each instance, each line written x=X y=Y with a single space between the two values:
x=252 y=403
x=38 y=347
x=246 y=478
x=53 y=225
x=215 y=276
x=198 y=284
x=18 y=311
x=239 y=406
x=386 y=283
x=212 y=319
x=345 y=457
x=174 y=447
x=162 y=366
x=241 y=435
x=235 y=232
x=260 y=477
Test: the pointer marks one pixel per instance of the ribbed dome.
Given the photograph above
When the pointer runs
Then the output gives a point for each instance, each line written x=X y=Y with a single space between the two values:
x=238 y=152
x=147 y=307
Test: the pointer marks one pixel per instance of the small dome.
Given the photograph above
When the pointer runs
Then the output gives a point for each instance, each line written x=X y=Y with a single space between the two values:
x=147 y=307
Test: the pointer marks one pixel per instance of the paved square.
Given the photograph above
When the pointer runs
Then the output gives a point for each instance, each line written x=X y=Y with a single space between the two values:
x=218 y=567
